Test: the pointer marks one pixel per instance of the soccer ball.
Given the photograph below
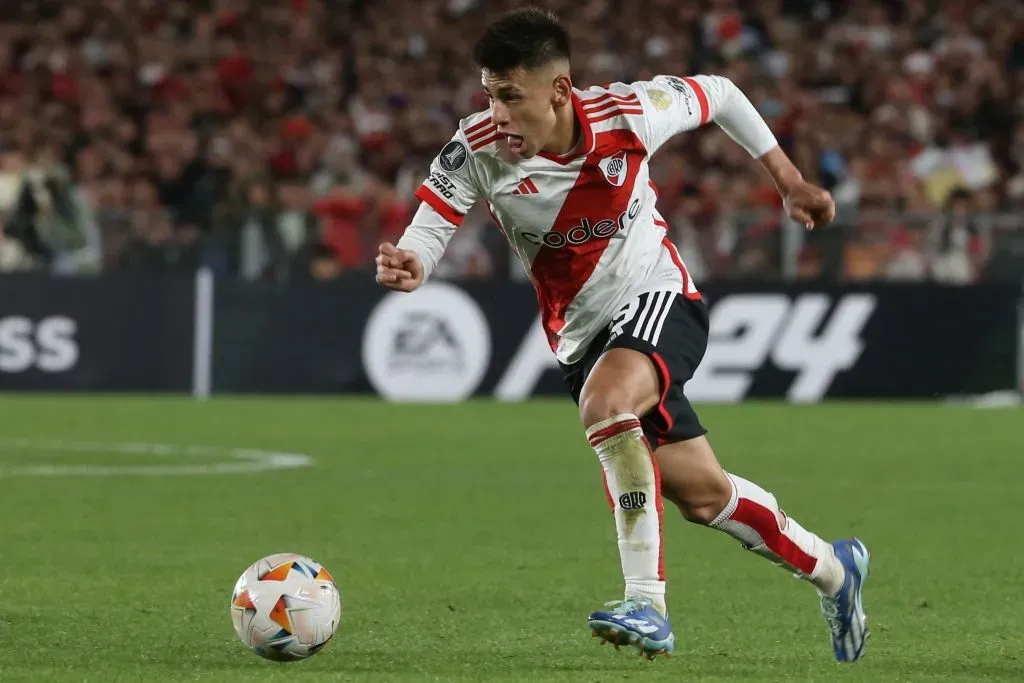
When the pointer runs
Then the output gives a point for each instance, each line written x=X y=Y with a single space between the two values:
x=285 y=607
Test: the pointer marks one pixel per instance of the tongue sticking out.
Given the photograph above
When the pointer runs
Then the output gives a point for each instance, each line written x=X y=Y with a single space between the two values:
x=515 y=143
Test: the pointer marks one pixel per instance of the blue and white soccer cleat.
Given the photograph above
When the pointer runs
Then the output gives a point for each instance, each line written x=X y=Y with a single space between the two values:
x=636 y=622
x=844 y=612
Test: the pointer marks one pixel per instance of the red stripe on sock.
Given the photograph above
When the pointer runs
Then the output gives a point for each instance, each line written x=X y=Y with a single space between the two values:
x=660 y=509
x=763 y=521
x=607 y=491
x=611 y=430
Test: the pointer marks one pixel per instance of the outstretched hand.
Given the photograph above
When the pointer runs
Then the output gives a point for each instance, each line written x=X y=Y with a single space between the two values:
x=398 y=269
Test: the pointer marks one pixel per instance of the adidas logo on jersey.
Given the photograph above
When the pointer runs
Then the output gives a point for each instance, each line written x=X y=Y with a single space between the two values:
x=525 y=187
x=615 y=168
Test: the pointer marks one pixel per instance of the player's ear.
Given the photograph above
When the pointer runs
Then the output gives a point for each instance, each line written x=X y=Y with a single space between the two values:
x=562 y=91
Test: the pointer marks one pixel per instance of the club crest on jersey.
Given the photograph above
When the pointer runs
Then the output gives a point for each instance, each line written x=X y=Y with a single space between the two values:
x=452 y=156
x=614 y=168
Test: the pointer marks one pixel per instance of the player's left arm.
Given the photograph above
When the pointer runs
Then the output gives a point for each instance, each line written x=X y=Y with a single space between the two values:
x=674 y=105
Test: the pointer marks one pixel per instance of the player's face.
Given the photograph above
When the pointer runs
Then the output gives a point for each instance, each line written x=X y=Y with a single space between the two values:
x=523 y=105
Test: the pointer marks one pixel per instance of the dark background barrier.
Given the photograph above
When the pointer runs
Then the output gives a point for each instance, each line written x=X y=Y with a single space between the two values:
x=120 y=333
x=451 y=341
x=802 y=343
x=890 y=341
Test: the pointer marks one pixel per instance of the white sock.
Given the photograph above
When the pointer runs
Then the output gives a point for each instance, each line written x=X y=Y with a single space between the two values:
x=750 y=517
x=633 y=486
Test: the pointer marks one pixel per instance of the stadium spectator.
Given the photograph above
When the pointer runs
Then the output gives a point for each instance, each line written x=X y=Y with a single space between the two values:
x=270 y=138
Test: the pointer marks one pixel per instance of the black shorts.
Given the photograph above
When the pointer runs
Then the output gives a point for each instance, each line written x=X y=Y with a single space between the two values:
x=672 y=330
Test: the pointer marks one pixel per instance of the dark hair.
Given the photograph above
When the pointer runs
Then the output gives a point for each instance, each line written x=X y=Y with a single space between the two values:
x=527 y=38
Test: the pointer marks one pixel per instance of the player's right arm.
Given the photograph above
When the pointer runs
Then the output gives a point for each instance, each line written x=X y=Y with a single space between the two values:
x=446 y=196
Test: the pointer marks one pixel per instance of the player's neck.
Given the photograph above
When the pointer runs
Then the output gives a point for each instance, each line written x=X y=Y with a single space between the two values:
x=567 y=135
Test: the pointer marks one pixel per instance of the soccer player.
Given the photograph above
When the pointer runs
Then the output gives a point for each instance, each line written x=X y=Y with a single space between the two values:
x=564 y=172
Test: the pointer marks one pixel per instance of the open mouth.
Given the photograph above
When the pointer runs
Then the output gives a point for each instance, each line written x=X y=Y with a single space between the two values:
x=515 y=143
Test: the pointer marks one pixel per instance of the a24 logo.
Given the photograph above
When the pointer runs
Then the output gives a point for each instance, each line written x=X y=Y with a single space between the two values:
x=813 y=335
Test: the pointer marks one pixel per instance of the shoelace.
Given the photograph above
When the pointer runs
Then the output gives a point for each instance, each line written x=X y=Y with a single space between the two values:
x=830 y=608
x=627 y=606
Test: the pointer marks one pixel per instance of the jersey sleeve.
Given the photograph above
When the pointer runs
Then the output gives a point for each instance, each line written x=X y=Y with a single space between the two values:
x=451 y=189
x=446 y=196
x=675 y=105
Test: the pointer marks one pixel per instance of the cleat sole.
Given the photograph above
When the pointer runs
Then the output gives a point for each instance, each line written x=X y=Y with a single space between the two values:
x=619 y=637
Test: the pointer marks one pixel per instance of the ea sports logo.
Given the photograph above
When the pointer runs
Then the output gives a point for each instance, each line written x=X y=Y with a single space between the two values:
x=432 y=345
x=615 y=168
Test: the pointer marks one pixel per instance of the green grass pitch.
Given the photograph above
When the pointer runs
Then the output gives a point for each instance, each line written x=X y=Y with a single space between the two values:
x=470 y=543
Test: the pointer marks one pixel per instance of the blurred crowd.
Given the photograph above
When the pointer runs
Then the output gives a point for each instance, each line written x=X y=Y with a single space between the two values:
x=273 y=139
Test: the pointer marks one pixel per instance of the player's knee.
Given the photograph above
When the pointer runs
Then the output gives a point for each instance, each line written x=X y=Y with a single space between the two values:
x=623 y=381
x=700 y=513
x=599 y=406
x=702 y=504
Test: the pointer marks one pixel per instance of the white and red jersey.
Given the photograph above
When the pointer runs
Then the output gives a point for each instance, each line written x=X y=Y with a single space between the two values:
x=584 y=225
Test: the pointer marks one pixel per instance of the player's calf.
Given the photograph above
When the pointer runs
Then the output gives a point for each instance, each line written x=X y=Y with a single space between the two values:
x=613 y=397
x=633 y=485
x=706 y=494
x=694 y=481
x=753 y=517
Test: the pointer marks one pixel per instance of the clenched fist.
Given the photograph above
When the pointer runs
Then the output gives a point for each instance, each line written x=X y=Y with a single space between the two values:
x=398 y=269
x=809 y=205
